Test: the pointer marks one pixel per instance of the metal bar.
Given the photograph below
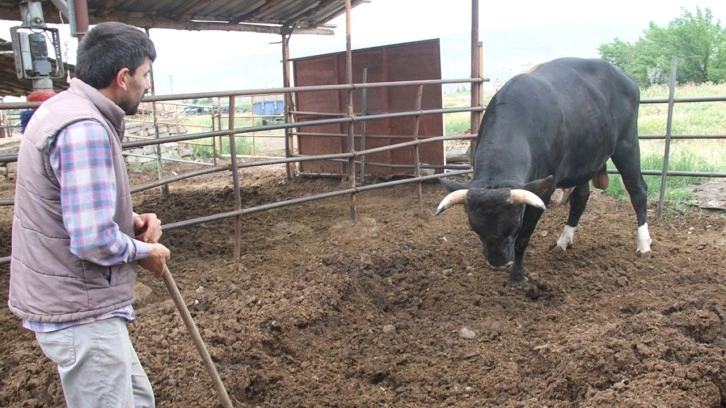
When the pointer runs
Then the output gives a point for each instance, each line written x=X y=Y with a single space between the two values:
x=300 y=200
x=684 y=100
x=199 y=95
x=416 y=158
x=287 y=98
x=682 y=137
x=252 y=129
x=459 y=170
x=214 y=150
x=678 y=173
x=164 y=189
x=295 y=158
x=152 y=184
x=80 y=10
x=371 y=136
x=666 y=152
x=254 y=142
x=169 y=159
x=269 y=91
x=475 y=93
x=311 y=88
x=405 y=166
x=351 y=124
x=235 y=180
x=340 y=135
x=364 y=107
x=304 y=113
x=299 y=158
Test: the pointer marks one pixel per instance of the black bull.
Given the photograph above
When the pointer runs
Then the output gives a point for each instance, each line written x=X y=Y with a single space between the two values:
x=554 y=126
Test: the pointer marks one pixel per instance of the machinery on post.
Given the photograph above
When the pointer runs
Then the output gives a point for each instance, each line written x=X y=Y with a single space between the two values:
x=30 y=46
x=30 y=49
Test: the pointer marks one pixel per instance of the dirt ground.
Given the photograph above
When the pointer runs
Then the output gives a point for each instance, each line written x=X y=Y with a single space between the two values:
x=399 y=309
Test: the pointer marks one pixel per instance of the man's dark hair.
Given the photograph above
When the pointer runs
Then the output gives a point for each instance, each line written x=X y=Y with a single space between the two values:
x=109 y=47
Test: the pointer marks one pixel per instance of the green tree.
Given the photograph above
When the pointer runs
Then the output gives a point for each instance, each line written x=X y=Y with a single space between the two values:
x=618 y=53
x=717 y=70
x=698 y=42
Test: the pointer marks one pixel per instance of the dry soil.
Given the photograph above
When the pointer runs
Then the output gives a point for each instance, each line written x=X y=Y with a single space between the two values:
x=399 y=310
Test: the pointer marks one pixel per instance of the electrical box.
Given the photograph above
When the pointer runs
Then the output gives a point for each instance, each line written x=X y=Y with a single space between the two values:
x=30 y=48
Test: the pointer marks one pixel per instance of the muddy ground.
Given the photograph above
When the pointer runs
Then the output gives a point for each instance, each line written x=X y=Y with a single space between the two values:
x=399 y=309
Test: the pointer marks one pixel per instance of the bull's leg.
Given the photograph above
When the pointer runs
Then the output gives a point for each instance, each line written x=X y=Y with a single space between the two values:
x=516 y=274
x=578 y=202
x=627 y=160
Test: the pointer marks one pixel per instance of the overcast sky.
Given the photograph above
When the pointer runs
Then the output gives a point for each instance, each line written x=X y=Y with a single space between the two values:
x=515 y=35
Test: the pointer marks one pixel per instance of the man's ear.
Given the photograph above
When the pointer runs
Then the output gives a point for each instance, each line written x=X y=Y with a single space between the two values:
x=122 y=77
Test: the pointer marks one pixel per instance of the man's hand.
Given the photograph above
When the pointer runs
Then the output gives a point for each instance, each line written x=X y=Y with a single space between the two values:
x=147 y=228
x=156 y=260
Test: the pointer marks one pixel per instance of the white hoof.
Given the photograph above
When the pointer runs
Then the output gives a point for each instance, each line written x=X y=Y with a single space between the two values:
x=567 y=238
x=644 y=240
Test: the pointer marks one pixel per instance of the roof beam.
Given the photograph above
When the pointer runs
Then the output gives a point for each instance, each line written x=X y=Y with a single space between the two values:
x=155 y=22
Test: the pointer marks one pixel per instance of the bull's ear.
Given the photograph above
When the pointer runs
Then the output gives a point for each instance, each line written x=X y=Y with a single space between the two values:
x=540 y=186
x=451 y=185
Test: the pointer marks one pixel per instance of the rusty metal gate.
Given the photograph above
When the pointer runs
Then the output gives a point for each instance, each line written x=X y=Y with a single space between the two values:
x=399 y=62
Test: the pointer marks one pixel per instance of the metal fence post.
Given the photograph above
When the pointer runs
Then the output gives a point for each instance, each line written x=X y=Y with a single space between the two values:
x=666 y=152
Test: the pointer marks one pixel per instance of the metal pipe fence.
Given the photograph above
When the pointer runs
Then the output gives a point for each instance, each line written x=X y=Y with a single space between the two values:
x=354 y=158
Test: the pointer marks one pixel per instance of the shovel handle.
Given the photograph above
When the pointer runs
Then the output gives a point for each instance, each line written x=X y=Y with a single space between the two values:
x=198 y=342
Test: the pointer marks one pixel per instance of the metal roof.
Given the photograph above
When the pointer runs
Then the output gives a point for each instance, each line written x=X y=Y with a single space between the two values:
x=267 y=16
x=262 y=16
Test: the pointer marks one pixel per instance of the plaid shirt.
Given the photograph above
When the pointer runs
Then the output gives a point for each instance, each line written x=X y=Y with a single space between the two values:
x=81 y=161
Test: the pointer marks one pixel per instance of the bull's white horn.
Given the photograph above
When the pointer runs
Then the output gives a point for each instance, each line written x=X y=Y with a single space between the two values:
x=455 y=197
x=520 y=196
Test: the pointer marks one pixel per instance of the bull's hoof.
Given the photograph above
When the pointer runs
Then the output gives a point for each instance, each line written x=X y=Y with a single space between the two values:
x=516 y=282
x=645 y=255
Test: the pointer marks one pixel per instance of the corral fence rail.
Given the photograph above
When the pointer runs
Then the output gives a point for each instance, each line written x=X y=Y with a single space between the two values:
x=422 y=172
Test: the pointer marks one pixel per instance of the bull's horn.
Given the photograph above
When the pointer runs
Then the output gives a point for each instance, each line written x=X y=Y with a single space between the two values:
x=455 y=197
x=520 y=196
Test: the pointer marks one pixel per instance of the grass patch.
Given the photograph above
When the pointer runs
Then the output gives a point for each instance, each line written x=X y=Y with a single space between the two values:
x=699 y=155
x=689 y=118
x=459 y=122
x=455 y=123
x=205 y=148
x=677 y=193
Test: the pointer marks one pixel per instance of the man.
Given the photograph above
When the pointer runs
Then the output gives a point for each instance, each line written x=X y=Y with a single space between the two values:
x=76 y=240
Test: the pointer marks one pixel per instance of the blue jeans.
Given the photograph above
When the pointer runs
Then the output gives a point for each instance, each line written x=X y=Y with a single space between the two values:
x=98 y=365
